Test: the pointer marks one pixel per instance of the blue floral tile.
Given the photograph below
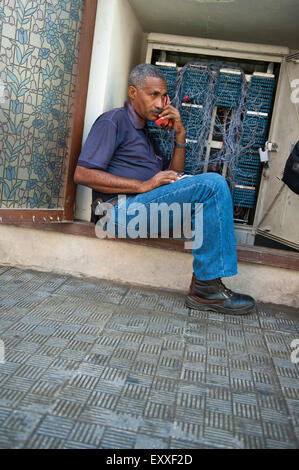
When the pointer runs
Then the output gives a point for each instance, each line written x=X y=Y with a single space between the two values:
x=38 y=51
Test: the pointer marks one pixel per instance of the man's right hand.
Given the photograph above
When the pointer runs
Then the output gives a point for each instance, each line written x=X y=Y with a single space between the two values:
x=161 y=178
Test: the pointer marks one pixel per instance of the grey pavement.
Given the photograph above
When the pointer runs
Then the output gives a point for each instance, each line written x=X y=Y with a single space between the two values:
x=96 y=364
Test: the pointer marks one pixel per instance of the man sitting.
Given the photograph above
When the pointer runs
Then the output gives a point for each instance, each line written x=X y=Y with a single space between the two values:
x=119 y=157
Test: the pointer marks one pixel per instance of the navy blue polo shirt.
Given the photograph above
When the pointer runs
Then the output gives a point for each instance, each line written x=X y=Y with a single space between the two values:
x=117 y=143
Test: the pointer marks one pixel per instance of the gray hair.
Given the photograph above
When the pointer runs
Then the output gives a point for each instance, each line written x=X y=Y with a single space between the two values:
x=141 y=72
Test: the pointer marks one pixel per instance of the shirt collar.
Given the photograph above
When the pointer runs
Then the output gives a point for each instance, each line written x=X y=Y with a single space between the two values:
x=133 y=116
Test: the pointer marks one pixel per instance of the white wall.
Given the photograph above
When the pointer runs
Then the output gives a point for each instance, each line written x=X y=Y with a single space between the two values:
x=117 y=48
x=126 y=42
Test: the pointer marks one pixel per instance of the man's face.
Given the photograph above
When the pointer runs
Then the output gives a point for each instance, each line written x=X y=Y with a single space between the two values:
x=148 y=101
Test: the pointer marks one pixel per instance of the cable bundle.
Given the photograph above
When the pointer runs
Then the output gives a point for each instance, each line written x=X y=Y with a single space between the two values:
x=228 y=89
x=260 y=94
x=243 y=197
x=191 y=116
x=192 y=152
x=164 y=141
x=170 y=74
x=248 y=169
x=255 y=130
x=195 y=84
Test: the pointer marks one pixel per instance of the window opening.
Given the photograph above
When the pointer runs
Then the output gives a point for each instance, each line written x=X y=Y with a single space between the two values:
x=226 y=109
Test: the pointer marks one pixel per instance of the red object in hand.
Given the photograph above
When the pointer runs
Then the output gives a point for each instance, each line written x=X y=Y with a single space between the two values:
x=164 y=123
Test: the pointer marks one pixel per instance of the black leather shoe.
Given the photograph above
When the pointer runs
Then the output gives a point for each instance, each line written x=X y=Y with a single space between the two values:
x=213 y=295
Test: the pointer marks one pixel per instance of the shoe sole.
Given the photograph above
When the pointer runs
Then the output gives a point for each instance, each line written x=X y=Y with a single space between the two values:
x=191 y=303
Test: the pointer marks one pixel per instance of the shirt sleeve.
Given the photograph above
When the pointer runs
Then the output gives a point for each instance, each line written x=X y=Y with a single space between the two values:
x=99 y=146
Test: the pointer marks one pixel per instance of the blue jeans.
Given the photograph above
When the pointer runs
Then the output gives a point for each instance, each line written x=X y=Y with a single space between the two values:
x=217 y=255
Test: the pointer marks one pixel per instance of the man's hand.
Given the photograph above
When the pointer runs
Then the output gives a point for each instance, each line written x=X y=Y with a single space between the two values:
x=161 y=178
x=169 y=112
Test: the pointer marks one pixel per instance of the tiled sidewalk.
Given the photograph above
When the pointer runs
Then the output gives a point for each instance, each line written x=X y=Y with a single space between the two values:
x=93 y=364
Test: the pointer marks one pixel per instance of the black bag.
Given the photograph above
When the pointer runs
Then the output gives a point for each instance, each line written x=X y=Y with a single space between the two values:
x=291 y=170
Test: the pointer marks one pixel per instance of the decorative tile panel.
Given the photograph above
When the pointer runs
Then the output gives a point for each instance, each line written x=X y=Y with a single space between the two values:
x=38 y=56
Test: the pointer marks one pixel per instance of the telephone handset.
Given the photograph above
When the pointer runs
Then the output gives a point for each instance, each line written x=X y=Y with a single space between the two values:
x=164 y=123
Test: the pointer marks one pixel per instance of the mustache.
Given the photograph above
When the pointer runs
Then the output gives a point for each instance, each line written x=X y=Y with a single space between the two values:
x=156 y=110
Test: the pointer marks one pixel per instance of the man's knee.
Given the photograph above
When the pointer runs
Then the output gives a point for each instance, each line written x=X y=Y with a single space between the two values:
x=215 y=181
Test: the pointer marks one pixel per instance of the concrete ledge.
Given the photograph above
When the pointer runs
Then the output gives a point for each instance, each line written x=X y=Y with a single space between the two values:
x=134 y=264
x=251 y=254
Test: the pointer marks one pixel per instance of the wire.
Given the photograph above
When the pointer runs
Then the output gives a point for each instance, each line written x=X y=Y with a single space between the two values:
x=226 y=121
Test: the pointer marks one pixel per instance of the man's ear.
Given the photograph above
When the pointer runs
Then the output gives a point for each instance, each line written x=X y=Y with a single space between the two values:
x=132 y=92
